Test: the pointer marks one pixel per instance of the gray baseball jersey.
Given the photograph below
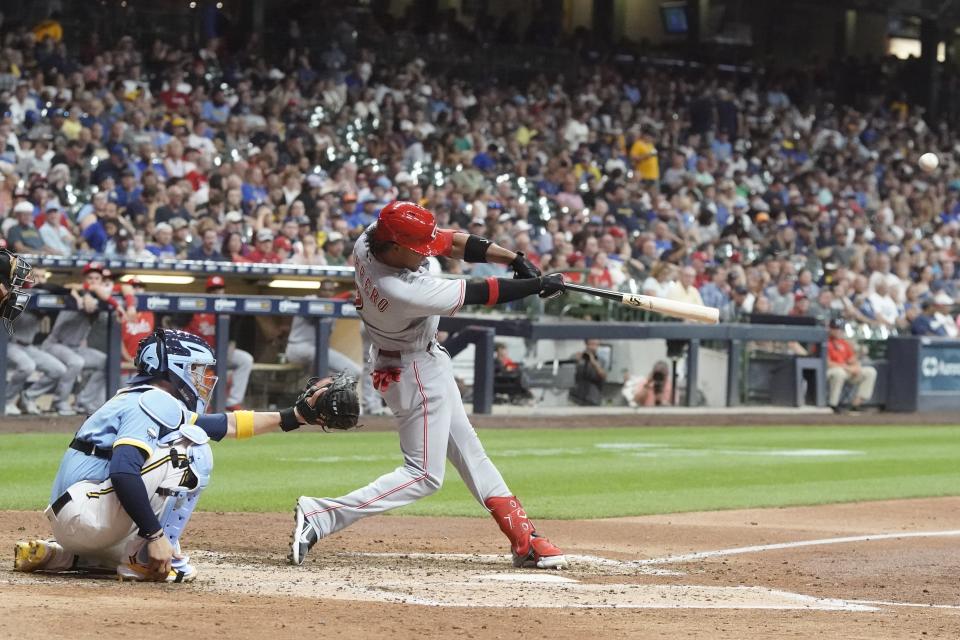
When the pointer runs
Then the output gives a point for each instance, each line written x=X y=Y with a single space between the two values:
x=71 y=328
x=303 y=331
x=402 y=308
x=28 y=324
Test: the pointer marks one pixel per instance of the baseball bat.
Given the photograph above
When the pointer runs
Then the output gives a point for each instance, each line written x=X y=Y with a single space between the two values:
x=663 y=306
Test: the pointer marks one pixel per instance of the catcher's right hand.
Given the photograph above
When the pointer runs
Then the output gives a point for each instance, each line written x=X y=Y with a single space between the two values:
x=332 y=403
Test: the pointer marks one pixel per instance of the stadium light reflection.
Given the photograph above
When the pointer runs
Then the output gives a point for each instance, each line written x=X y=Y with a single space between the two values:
x=294 y=284
x=155 y=278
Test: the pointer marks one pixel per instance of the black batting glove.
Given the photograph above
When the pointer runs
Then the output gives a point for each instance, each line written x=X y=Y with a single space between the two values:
x=551 y=286
x=523 y=268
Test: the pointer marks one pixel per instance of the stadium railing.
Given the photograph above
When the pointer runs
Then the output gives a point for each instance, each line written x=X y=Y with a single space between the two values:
x=192 y=267
x=325 y=310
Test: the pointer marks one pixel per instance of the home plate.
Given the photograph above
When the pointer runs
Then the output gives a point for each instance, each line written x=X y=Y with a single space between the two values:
x=522 y=577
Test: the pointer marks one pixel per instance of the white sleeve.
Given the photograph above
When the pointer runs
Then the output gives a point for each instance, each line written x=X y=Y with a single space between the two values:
x=427 y=296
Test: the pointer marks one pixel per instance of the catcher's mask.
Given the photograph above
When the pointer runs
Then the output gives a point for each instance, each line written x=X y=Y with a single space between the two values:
x=184 y=360
x=15 y=276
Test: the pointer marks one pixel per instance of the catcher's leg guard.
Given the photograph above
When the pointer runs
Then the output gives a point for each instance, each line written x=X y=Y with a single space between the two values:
x=179 y=509
x=182 y=500
x=529 y=549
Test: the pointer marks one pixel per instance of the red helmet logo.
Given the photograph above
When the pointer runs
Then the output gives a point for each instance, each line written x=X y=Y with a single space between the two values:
x=413 y=227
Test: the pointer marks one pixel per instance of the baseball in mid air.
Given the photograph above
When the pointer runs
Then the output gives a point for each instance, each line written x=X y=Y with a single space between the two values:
x=929 y=161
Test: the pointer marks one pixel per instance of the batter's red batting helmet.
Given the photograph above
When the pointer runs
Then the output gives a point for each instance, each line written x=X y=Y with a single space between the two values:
x=215 y=282
x=413 y=227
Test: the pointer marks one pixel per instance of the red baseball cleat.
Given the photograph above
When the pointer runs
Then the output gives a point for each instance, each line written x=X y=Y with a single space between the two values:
x=528 y=547
x=540 y=553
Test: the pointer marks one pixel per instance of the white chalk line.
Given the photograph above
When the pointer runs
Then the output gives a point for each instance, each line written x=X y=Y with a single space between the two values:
x=653 y=450
x=703 y=555
x=689 y=557
x=918 y=605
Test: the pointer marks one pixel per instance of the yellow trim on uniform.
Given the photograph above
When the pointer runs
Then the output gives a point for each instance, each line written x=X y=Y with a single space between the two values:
x=244 y=424
x=193 y=418
x=135 y=443
x=144 y=471
x=159 y=463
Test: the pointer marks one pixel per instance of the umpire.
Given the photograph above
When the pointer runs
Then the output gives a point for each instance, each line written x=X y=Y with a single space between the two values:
x=15 y=276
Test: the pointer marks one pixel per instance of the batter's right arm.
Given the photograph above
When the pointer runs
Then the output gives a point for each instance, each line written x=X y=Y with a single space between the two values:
x=473 y=248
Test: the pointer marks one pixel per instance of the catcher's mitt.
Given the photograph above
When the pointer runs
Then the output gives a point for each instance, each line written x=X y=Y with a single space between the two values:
x=338 y=407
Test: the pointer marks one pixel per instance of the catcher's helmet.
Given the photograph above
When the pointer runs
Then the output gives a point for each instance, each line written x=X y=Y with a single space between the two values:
x=15 y=275
x=413 y=227
x=182 y=359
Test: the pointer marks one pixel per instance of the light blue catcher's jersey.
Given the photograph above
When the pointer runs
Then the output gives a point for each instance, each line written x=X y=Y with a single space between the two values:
x=137 y=416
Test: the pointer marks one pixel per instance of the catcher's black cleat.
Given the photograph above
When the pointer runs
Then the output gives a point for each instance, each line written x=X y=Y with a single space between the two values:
x=303 y=538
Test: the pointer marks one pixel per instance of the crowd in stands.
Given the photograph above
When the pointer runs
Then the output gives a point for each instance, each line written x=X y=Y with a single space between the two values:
x=753 y=193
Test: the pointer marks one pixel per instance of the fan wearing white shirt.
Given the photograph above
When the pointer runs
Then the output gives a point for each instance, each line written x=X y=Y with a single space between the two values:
x=576 y=132
x=684 y=290
x=199 y=140
x=884 y=307
x=55 y=234
x=895 y=288
x=942 y=305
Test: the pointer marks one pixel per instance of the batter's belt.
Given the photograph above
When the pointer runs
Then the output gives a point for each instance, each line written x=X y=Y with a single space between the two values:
x=384 y=353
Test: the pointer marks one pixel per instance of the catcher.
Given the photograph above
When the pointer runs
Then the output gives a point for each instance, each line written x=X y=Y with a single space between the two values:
x=133 y=473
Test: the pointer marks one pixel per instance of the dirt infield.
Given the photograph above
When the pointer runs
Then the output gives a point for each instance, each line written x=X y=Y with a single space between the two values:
x=868 y=570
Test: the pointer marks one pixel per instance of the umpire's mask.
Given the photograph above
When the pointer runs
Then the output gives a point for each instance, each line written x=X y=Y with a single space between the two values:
x=15 y=277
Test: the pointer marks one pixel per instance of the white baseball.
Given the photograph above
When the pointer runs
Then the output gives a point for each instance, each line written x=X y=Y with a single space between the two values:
x=929 y=161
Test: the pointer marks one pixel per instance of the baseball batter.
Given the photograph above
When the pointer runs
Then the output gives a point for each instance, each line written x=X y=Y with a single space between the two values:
x=133 y=473
x=400 y=304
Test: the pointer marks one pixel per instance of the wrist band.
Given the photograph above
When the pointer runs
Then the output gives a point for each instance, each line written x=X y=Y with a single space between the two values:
x=288 y=419
x=154 y=537
x=244 y=424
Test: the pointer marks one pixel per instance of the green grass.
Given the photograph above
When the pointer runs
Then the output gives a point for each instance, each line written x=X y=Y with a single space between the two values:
x=588 y=473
